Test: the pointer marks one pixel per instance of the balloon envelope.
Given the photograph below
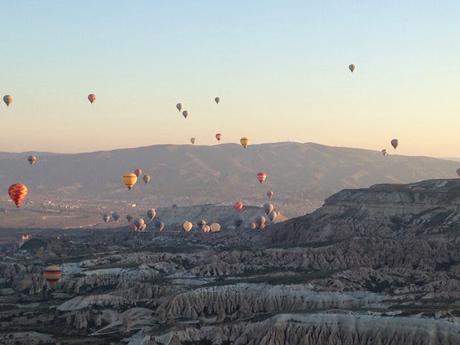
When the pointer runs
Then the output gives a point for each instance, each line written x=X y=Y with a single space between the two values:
x=179 y=106
x=245 y=142
x=270 y=194
x=52 y=274
x=32 y=159
x=187 y=226
x=151 y=213
x=218 y=136
x=138 y=172
x=217 y=100
x=185 y=114
x=106 y=218
x=352 y=67
x=215 y=227
x=394 y=143
x=129 y=180
x=261 y=176
x=238 y=205
x=18 y=193
x=268 y=208
x=92 y=98
x=115 y=216
x=8 y=99
x=192 y=140
x=146 y=178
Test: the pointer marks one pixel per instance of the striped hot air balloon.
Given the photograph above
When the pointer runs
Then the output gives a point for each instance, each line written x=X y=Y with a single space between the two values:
x=18 y=193
x=52 y=274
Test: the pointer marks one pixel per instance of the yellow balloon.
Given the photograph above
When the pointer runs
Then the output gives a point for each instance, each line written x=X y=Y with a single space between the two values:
x=215 y=227
x=245 y=142
x=187 y=226
x=129 y=180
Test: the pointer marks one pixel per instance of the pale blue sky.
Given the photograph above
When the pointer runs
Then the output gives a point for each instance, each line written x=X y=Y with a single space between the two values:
x=280 y=68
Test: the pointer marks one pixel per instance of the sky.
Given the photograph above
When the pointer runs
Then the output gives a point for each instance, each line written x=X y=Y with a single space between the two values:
x=279 y=67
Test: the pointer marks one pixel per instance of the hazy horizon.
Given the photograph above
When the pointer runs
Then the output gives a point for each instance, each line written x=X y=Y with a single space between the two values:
x=280 y=69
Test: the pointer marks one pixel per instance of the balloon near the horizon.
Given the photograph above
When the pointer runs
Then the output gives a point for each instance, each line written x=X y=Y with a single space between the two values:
x=32 y=159
x=238 y=206
x=219 y=136
x=18 y=193
x=129 y=180
x=384 y=152
x=261 y=176
x=192 y=140
x=458 y=172
x=8 y=99
x=92 y=98
x=146 y=179
x=394 y=143
x=138 y=172
x=106 y=218
x=215 y=227
x=245 y=142
x=270 y=194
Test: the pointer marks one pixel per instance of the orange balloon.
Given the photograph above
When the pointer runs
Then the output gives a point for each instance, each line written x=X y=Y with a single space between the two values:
x=18 y=193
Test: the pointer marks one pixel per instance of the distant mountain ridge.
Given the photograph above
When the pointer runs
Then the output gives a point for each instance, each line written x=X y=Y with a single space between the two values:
x=302 y=175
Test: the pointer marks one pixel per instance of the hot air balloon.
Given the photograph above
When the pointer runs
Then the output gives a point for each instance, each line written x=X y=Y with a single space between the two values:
x=253 y=226
x=384 y=152
x=245 y=142
x=217 y=100
x=201 y=223
x=238 y=222
x=115 y=216
x=179 y=106
x=394 y=143
x=261 y=176
x=268 y=208
x=32 y=159
x=151 y=213
x=352 y=67
x=52 y=274
x=129 y=218
x=18 y=193
x=206 y=228
x=218 y=136
x=273 y=215
x=129 y=180
x=146 y=178
x=106 y=218
x=8 y=99
x=260 y=220
x=91 y=98
x=215 y=227
x=185 y=114
x=238 y=205
x=192 y=140
x=270 y=194
x=139 y=224
x=458 y=171
x=138 y=172
x=187 y=226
